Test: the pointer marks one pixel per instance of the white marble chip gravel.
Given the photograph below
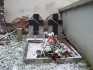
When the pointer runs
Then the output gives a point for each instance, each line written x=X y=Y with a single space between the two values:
x=11 y=58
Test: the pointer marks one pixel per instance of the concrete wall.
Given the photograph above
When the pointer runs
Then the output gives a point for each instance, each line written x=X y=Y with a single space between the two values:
x=78 y=27
x=19 y=8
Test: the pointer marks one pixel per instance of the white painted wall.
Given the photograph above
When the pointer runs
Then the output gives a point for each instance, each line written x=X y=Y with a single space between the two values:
x=78 y=27
x=19 y=8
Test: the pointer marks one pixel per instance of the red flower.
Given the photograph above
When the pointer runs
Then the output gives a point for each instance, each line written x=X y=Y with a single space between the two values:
x=55 y=55
x=67 y=52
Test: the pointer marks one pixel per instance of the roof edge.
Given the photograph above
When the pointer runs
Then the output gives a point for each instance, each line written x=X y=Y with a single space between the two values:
x=75 y=4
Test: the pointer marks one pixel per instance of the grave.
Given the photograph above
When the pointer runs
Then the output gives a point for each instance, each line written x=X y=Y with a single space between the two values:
x=46 y=50
x=55 y=24
x=35 y=25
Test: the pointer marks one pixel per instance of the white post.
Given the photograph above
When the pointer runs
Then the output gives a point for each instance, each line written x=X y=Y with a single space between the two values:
x=19 y=34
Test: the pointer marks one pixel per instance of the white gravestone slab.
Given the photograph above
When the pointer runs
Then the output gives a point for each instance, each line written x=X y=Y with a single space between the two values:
x=30 y=30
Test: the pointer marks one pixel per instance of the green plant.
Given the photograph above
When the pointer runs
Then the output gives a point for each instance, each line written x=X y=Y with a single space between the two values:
x=85 y=61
